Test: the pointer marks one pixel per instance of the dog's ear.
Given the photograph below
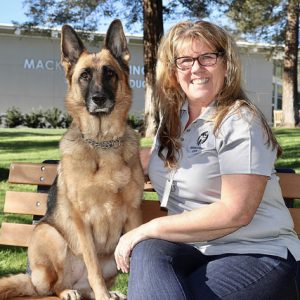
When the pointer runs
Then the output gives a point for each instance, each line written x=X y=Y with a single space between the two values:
x=71 y=47
x=116 y=43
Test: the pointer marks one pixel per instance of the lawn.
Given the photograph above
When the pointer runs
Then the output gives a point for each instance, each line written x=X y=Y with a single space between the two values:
x=36 y=145
x=289 y=139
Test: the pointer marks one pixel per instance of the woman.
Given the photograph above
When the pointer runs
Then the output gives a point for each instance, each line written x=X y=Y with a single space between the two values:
x=228 y=234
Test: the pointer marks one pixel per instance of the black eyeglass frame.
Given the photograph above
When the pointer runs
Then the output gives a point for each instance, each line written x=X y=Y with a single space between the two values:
x=218 y=54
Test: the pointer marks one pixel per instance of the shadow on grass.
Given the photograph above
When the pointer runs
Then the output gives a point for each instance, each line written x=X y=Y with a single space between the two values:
x=21 y=146
x=287 y=131
x=286 y=164
x=291 y=151
x=4 y=174
x=291 y=156
x=25 y=133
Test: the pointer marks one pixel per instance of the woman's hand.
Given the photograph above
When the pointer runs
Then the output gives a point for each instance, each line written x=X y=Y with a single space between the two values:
x=126 y=244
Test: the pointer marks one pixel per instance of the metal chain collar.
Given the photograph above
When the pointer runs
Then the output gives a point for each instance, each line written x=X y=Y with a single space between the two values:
x=104 y=144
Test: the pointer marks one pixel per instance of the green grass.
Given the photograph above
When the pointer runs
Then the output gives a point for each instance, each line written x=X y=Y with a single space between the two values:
x=36 y=145
x=289 y=139
x=12 y=260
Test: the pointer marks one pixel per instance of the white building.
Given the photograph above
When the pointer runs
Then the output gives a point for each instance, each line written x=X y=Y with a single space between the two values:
x=31 y=76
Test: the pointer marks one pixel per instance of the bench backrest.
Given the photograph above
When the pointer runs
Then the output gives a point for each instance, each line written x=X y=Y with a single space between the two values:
x=42 y=175
x=34 y=204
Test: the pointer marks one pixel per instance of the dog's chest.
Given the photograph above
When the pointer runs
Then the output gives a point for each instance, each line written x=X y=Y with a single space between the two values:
x=103 y=180
x=107 y=222
x=109 y=172
x=104 y=212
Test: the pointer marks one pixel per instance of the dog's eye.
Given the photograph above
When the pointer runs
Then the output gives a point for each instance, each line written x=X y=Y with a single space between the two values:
x=109 y=72
x=85 y=75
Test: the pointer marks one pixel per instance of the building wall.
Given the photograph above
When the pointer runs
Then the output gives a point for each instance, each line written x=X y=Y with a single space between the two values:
x=31 y=76
x=257 y=76
x=30 y=73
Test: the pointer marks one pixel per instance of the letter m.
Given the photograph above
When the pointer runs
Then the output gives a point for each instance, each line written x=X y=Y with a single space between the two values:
x=29 y=63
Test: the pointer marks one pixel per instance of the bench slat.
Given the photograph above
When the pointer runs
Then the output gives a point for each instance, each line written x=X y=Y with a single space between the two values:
x=290 y=185
x=32 y=173
x=151 y=209
x=13 y=234
x=26 y=203
x=295 y=212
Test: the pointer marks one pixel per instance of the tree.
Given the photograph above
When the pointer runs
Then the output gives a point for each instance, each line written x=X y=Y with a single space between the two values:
x=274 y=21
x=153 y=31
x=290 y=71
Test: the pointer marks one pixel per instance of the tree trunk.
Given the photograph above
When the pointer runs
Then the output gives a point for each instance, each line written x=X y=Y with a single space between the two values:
x=153 y=30
x=290 y=64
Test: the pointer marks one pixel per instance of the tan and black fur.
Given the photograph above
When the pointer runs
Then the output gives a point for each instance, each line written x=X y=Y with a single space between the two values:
x=100 y=180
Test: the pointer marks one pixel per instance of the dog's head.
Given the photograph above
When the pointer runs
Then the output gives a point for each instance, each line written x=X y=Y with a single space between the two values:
x=98 y=82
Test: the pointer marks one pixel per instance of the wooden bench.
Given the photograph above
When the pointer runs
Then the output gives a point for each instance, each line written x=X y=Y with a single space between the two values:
x=277 y=118
x=43 y=174
x=35 y=203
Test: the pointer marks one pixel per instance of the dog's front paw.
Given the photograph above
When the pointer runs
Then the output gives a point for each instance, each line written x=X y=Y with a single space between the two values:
x=114 y=295
x=69 y=295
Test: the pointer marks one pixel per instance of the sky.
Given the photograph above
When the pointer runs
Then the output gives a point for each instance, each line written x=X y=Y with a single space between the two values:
x=11 y=10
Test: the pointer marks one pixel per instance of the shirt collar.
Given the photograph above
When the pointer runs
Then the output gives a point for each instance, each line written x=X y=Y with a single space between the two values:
x=206 y=115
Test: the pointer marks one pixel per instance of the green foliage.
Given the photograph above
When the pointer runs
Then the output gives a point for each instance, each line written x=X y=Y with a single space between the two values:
x=67 y=119
x=82 y=14
x=54 y=117
x=51 y=118
x=262 y=20
x=14 y=117
x=136 y=122
x=34 y=119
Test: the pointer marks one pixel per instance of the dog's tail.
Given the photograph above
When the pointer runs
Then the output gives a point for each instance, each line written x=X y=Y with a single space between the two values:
x=15 y=286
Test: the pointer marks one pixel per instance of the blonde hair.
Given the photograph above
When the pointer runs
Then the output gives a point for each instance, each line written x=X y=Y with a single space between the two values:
x=170 y=95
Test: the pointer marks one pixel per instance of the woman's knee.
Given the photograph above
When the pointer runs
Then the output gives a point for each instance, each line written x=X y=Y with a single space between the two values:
x=151 y=249
x=145 y=261
x=158 y=248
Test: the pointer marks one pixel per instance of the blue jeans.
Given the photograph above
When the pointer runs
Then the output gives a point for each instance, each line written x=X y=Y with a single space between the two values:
x=162 y=270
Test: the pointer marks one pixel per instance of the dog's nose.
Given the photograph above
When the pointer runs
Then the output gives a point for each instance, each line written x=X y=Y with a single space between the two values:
x=98 y=98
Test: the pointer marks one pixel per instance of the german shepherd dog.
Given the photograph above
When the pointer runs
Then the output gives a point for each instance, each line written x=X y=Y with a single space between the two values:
x=100 y=181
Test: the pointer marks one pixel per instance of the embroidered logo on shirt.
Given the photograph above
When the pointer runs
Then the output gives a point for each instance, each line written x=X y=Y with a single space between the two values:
x=202 y=138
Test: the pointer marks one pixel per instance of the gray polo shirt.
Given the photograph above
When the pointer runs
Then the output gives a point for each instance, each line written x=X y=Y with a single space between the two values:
x=239 y=147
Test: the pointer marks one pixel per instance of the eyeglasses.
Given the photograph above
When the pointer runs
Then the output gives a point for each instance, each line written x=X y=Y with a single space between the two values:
x=205 y=60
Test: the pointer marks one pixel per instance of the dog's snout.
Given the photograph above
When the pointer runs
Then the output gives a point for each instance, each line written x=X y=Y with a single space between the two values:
x=98 y=98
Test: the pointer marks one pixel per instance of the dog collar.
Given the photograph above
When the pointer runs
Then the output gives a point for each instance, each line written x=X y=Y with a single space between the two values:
x=104 y=144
